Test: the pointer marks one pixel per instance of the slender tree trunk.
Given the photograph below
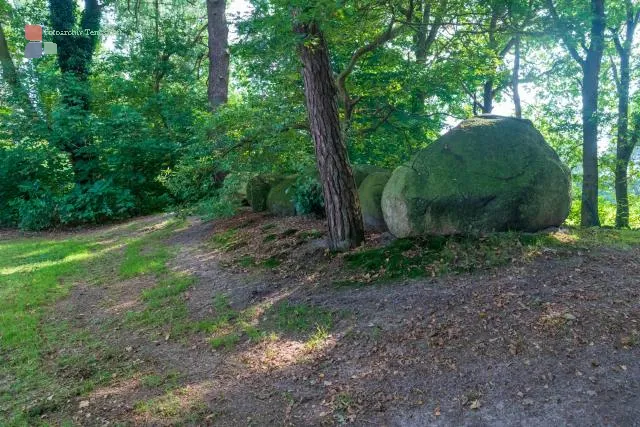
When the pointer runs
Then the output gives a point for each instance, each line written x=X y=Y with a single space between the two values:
x=342 y=206
x=420 y=50
x=591 y=74
x=625 y=143
x=9 y=73
x=515 y=82
x=622 y=159
x=622 y=192
x=487 y=97
x=218 y=90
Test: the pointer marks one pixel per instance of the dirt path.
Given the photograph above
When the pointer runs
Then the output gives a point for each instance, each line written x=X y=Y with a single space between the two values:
x=552 y=342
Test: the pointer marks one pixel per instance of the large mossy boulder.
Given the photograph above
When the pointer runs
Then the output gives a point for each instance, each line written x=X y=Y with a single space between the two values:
x=370 y=193
x=258 y=189
x=490 y=173
x=280 y=199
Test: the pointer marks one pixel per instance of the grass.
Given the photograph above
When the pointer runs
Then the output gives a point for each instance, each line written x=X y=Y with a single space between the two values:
x=300 y=318
x=228 y=326
x=228 y=240
x=44 y=364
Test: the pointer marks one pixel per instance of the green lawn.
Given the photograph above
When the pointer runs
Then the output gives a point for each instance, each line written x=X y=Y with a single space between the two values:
x=43 y=364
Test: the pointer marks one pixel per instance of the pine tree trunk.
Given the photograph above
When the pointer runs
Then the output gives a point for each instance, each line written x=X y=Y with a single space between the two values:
x=340 y=194
x=218 y=53
x=591 y=74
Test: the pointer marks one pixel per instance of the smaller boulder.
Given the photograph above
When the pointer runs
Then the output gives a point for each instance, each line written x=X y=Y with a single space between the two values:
x=280 y=199
x=258 y=189
x=370 y=193
x=360 y=172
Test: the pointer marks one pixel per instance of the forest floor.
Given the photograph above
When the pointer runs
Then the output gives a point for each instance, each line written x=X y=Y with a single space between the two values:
x=251 y=321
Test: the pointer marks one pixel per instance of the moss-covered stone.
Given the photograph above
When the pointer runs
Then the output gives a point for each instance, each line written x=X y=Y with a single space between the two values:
x=280 y=198
x=258 y=189
x=360 y=172
x=370 y=193
x=490 y=173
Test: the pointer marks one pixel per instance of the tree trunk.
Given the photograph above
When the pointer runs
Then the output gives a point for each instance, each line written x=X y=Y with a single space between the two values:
x=622 y=194
x=9 y=73
x=625 y=143
x=218 y=90
x=487 y=97
x=622 y=159
x=515 y=82
x=591 y=73
x=340 y=194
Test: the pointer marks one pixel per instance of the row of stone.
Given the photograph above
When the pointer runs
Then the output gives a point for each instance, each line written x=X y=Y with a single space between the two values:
x=490 y=173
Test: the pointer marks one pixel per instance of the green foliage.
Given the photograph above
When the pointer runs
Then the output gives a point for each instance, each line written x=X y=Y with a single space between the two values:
x=32 y=176
x=308 y=196
x=36 y=213
x=99 y=202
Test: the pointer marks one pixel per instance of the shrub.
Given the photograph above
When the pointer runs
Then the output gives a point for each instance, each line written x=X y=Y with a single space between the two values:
x=36 y=214
x=97 y=202
x=308 y=196
x=32 y=174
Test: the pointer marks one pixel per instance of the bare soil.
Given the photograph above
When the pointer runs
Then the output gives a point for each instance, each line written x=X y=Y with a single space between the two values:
x=550 y=342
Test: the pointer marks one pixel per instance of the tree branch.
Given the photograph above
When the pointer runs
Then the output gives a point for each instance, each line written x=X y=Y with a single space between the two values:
x=564 y=34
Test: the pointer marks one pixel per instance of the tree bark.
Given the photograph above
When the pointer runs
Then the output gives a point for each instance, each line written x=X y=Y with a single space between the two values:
x=624 y=143
x=487 y=97
x=342 y=205
x=591 y=73
x=218 y=91
x=9 y=73
x=590 y=79
x=515 y=82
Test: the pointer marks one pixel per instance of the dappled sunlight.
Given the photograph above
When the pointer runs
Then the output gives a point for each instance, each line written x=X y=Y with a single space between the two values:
x=123 y=306
x=174 y=405
x=564 y=237
x=279 y=353
x=85 y=255
x=119 y=388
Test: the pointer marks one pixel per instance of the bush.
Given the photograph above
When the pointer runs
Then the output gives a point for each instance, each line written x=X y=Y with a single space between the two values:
x=36 y=214
x=96 y=203
x=32 y=174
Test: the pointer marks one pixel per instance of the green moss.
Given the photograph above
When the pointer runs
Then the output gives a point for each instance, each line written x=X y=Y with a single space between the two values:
x=360 y=172
x=488 y=174
x=280 y=199
x=272 y=262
